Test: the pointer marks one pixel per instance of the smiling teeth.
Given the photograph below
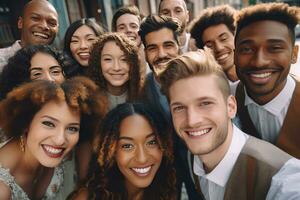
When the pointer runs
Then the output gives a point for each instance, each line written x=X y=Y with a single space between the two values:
x=263 y=75
x=198 y=133
x=142 y=170
x=53 y=150
x=41 y=35
x=84 y=54
x=223 y=56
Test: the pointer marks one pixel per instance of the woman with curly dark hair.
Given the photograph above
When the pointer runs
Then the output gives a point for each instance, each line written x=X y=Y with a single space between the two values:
x=78 y=42
x=31 y=161
x=36 y=62
x=134 y=157
x=114 y=65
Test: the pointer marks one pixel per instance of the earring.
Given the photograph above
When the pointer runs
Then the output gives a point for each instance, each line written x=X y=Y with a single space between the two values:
x=22 y=144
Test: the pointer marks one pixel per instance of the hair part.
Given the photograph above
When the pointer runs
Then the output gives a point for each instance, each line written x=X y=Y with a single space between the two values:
x=280 y=12
x=108 y=181
x=193 y=64
x=155 y=22
x=132 y=10
x=211 y=17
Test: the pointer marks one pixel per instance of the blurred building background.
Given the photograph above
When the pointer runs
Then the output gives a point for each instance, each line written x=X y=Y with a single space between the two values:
x=100 y=10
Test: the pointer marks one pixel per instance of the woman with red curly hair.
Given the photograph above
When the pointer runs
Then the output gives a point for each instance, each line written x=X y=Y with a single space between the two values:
x=44 y=121
x=114 y=65
x=134 y=157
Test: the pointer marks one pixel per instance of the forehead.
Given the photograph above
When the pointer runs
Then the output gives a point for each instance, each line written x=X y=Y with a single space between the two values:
x=84 y=30
x=172 y=4
x=127 y=18
x=135 y=126
x=41 y=57
x=183 y=90
x=111 y=47
x=41 y=8
x=262 y=31
x=55 y=108
x=215 y=30
x=160 y=36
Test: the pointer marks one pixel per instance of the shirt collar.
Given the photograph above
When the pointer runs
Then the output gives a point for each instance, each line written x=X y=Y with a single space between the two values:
x=276 y=105
x=222 y=171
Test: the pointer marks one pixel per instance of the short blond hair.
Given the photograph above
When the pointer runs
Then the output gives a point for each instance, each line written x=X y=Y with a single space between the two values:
x=192 y=64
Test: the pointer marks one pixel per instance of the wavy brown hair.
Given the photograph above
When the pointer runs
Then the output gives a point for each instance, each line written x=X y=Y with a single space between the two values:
x=81 y=94
x=131 y=53
x=107 y=182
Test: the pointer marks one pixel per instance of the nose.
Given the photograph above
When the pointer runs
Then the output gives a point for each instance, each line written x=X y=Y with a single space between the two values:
x=161 y=52
x=128 y=29
x=47 y=76
x=59 y=138
x=116 y=66
x=141 y=154
x=193 y=117
x=84 y=44
x=218 y=46
x=260 y=59
x=44 y=25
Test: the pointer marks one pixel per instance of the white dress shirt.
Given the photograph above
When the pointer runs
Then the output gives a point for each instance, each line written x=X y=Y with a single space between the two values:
x=285 y=183
x=6 y=53
x=213 y=184
x=268 y=118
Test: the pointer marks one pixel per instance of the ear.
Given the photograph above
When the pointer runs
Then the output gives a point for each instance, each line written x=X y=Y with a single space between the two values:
x=231 y=106
x=20 y=23
x=295 y=54
x=187 y=16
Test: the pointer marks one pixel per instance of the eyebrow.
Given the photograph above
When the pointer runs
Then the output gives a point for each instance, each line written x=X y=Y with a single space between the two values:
x=130 y=138
x=54 y=119
x=198 y=99
x=40 y=68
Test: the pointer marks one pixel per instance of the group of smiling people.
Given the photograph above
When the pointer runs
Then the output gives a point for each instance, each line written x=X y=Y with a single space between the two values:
x=91 y=122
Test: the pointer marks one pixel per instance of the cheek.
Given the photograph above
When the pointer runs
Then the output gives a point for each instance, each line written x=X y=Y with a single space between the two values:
x=73 y=139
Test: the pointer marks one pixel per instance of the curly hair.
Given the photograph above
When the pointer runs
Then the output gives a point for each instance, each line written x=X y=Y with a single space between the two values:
x=81 y=94
x=280 y=12
x=72 y=67
x=210 y=17
x=17 y=70
x=132 y=57
x=107 y=181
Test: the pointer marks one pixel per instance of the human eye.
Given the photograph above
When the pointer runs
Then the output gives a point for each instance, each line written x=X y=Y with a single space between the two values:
x=35 y=74
x=35 y=18
x=134 y=26
x=209 y=45
x=74 y=41
x=127 y=146
x=52 y=22
x=107 y=59
x=152 y=142
x=169 y=45
x=56 y=71
x=48 y=124
x=205 y=103
x=123 y=59
x=178 y=10
x=276 y=48
x=165 y=12
x=177 y=109
x=245 y=49
x=151 y=48
x=73 y=129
